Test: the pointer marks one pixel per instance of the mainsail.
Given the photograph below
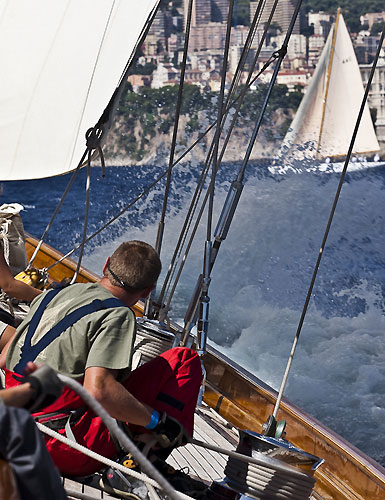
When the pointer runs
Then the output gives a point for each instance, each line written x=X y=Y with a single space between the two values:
x=60 y=64
x=324 y=122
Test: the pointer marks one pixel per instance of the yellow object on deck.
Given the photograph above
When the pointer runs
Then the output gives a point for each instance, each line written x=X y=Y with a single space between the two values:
x=33 y=277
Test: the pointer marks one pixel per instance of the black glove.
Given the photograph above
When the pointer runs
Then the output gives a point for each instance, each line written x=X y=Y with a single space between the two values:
x=47 y=385
x=63 y=284
x=169 y=432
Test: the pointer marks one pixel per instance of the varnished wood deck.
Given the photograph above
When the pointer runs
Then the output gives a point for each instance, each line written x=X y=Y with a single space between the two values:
x=195 y=460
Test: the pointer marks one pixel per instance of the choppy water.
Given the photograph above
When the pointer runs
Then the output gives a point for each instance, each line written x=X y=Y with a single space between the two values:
x=262 y=275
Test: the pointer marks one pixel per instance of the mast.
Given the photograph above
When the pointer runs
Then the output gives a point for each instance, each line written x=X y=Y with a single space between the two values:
x=331 y=57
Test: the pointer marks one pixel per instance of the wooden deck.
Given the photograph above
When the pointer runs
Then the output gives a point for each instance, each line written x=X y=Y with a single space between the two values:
x=197 y=461
x=194 y=460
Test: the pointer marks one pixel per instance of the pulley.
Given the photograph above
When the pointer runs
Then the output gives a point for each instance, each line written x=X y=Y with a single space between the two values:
x=272 y=428
x=37 y=278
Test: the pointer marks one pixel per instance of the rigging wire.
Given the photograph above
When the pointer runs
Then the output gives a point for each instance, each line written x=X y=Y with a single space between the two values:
x=204 y=297
x=236 y=187
x=66 y=191
x=103 y=119
x=159 y=238
x=161 y=176
x=176 y=259
x=328 y=225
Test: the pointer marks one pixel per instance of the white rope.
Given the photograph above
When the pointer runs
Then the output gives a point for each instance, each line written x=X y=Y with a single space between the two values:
x=127 y=444
x=263 y=461
x=267 y=475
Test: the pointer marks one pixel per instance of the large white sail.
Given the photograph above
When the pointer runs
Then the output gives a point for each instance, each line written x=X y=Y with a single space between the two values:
x=60 y=63
x=325 y=120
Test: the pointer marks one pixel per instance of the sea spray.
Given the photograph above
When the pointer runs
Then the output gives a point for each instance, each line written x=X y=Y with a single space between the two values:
x=262 y=274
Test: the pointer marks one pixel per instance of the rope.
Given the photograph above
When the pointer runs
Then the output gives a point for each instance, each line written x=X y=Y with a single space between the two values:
x=266 y=475
x=150 y=341
x=123 y=439
x=73 y=177
x=110 y=463
x=328 y=225
x=263 y=461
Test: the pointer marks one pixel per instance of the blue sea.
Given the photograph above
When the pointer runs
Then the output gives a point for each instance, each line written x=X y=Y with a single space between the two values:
x=262 y=274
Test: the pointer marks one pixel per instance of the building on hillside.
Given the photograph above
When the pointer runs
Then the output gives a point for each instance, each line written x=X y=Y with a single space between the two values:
x=376 y=98
x=165 y=74
x=158 y=30
x=201 y=12
x=207 y=37
x=316 y=44
x=219 y=10
x=204 y=61
x=282 y=15
x=206 y=11
x=235 y=55
x=365 y=47
x=372 y=17
x=293 y=78
x=239 y=36
x=296 y=46
x=175 y=46
x=321 y=22
x=138 y=81
x=150 y=47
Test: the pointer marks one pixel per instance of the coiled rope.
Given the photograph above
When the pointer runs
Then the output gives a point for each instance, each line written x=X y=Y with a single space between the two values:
x=263 y=476
x=151 y=341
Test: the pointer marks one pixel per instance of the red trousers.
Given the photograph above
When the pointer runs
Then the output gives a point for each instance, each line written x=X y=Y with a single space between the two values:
x=169 y=382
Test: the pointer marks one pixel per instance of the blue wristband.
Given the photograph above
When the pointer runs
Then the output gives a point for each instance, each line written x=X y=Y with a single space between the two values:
x=154 y=420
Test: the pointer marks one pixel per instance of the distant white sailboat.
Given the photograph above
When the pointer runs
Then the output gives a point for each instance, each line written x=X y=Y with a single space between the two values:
x=323 y=125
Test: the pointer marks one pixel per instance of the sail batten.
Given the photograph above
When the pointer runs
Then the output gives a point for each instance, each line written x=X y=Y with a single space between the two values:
x=325 y=119
x=61 y=62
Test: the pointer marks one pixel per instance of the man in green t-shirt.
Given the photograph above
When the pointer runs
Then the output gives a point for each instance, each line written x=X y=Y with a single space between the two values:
x=96 y=350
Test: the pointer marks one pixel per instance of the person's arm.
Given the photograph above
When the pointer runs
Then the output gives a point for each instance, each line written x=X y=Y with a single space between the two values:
x=20 y=395
x=7 y=335
x=13 y=287
x=120 y=404
x=9 y=332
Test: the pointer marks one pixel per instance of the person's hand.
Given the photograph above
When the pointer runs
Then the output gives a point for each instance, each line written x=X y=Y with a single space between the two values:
x=169 y=432
x=30 y=368
x=48 y=387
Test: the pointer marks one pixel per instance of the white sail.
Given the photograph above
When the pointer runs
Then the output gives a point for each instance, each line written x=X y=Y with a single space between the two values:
x=325 y=120
x=60 y=64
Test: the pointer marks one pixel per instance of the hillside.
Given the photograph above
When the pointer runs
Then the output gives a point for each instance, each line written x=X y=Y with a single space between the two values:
x=352 y=9
x=143 y=126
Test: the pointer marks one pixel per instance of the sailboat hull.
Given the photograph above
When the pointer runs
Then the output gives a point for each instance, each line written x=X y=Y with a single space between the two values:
x=246 y=402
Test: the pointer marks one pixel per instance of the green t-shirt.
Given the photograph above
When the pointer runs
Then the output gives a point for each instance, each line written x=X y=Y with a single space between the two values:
x=103 y=338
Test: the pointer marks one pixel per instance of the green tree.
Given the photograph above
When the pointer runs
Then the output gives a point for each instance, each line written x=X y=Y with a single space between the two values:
x=376 y=28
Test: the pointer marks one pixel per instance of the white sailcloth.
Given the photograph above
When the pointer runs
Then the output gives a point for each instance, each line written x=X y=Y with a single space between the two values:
x=325 y=120
x=60 y=64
